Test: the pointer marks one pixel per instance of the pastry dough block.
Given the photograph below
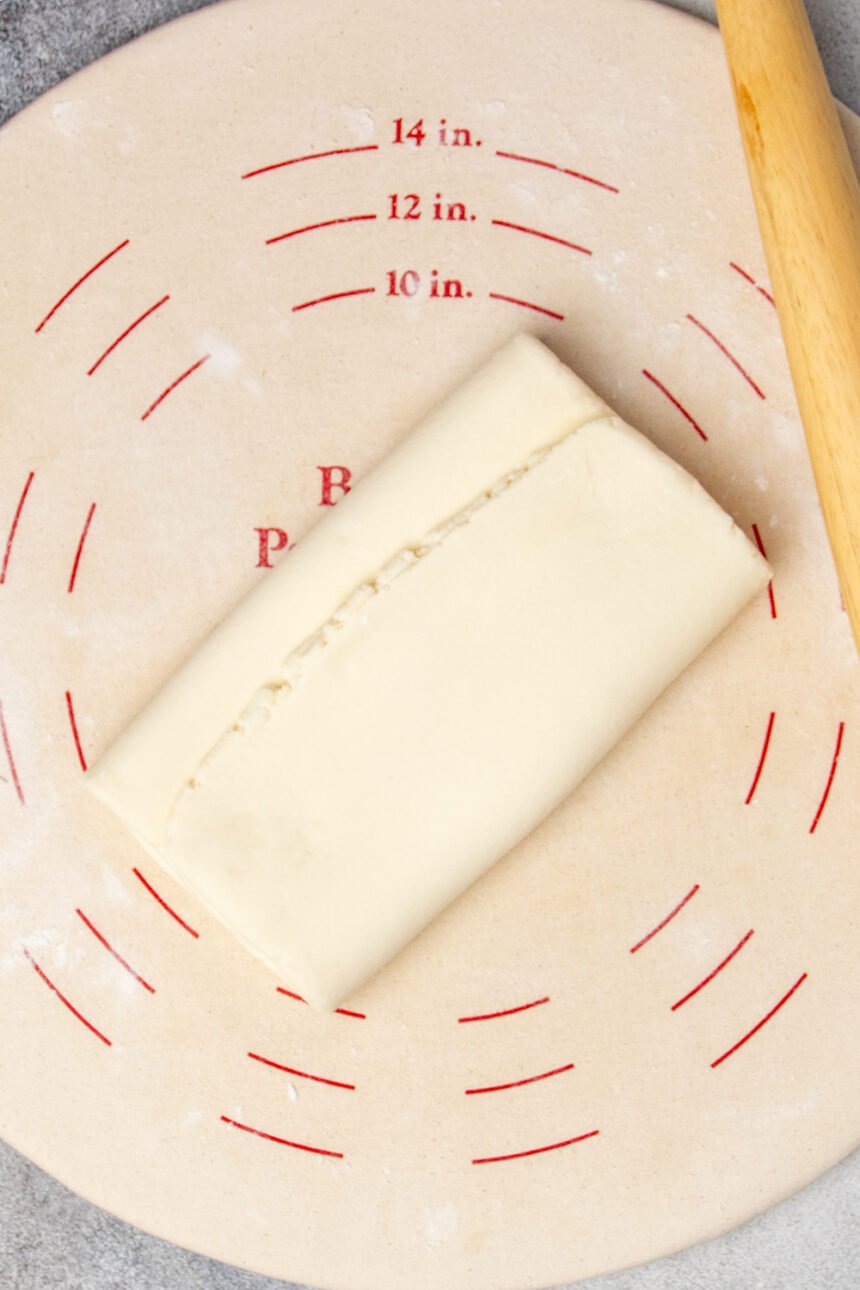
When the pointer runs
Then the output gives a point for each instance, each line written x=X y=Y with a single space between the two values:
x=429 y=672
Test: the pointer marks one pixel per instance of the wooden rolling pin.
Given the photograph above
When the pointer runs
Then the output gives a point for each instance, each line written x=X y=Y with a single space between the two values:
x=808 y=202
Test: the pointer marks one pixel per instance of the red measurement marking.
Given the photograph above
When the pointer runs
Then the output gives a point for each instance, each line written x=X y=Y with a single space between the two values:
x=536 y=1151
x=173 y=384
x=548 y=237
x=13 y=530
x=765 y=1019
x=518 y=1083
x=164 y=905
x=81 y=280
x=337 y=295
x=742 y=272
x=290 y=1070
x=80 y=550
x=11 y=760
x=562 y=170
x=282 y=1142
x=71 y=711
x=751 y=280
x=121 y=337
x=310 y=156
x=106 y=943
x=71 y=1007
x=717 y=970
x=663 y=923
x=505 y=1012
x=728 y=353
x=526 y=304
x=760 y=546
x=676 y=404
x=309 y=228
x=343 y=1012
x=827 y=787
x=760 y=767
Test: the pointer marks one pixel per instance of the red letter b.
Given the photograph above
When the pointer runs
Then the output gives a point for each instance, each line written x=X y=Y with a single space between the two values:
x=334 y=477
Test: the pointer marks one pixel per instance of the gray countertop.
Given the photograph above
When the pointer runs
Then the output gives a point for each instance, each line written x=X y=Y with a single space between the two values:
x=50 y=1239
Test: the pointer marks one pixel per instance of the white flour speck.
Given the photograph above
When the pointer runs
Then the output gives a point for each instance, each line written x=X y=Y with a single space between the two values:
x=441 y=1224
x=128 y=140
x=114 y=888
x=787 y=434
x=360 y=123
x=224 y=358
x=70 y=116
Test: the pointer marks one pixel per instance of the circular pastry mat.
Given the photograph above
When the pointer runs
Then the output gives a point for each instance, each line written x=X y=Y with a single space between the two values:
x=259 y=243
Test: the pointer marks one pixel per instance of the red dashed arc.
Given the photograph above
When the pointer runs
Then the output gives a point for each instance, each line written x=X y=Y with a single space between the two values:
x=535 y=1151
x=770 y=593
x=313 y=228
x=336 y=295
x=70 y=708
x=762 y=759
x=676 y=403
x=168 y=909
x=40 y=972
x=561 y=170
x=520 y=1083
x=729 y=355
x=133 y=326
x=76 y=564
x=115 y=953
x=309 y=156
x=282 y=1142
x=292 y=1070
x=13 y=529
x=664 y=922
x=80 y=282
x=760 y=1024
x=547 y=237
x=7 y=747
x=840 y=734
x=526 y=304
x=691 y=994
x=763 y=291
x=505 y=1012
x=183 y=376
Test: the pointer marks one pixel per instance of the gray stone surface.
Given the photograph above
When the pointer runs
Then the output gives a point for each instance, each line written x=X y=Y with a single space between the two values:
x=50 y=1239
x=44 y=41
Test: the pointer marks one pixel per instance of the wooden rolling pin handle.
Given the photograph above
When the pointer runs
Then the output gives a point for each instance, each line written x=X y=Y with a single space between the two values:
x=808 y=203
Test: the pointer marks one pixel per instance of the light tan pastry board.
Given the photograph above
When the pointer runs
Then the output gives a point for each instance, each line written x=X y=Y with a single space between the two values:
x=128 y=525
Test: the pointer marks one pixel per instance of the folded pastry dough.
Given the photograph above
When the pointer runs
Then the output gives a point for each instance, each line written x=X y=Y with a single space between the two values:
x=430 y=671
